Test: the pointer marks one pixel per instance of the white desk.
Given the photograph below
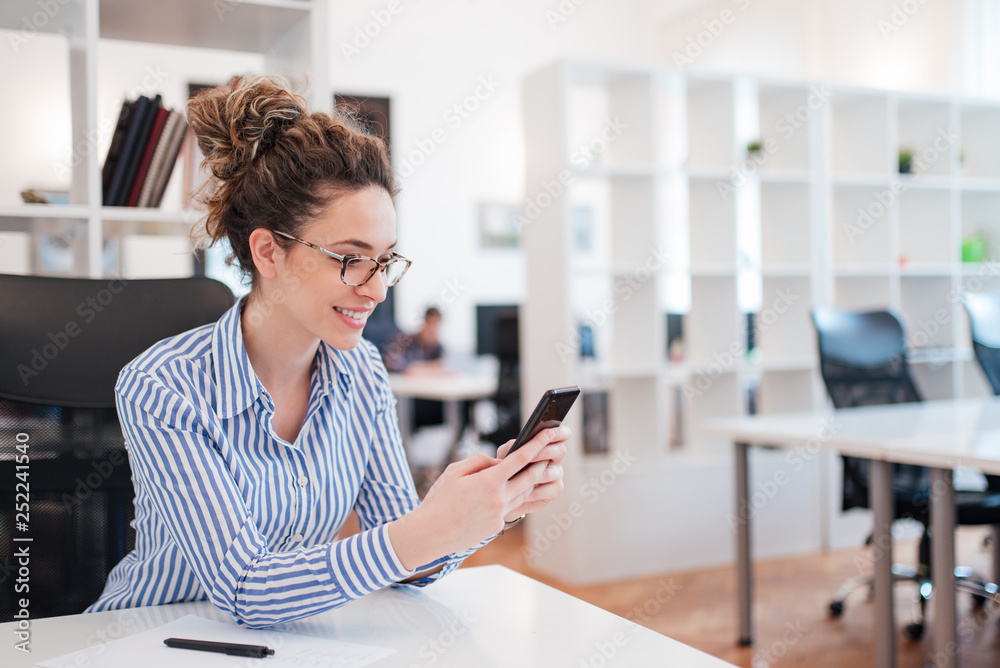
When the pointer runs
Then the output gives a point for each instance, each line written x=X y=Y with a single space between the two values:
x=448 y=387
x=942 y=435
x=473 y=618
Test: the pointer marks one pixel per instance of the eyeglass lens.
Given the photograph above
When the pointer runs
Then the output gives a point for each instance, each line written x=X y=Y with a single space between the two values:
x=357 y=271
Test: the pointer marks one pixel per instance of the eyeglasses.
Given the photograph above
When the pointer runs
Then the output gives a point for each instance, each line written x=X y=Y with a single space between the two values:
x=357 y=270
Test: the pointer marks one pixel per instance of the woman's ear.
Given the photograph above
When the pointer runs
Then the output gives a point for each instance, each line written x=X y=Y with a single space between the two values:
x=265 y=252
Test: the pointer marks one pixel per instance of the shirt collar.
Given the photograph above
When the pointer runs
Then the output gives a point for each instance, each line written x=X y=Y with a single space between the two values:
x=236 y=384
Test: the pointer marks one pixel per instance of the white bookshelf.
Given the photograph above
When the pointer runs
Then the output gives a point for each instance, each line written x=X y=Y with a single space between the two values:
x=290 y=36
x=822 y=217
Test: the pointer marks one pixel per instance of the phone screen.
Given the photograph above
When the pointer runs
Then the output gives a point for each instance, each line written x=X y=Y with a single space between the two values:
x=550 y=412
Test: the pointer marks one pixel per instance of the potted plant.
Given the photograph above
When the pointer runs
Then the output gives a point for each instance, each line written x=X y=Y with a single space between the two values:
x=754 y=148
x=905 y=160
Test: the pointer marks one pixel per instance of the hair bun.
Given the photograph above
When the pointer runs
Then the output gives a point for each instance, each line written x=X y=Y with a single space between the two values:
x=236 y=124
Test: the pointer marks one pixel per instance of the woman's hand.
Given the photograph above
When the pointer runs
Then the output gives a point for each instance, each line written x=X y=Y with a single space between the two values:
x=474 y=497
x=550 y=483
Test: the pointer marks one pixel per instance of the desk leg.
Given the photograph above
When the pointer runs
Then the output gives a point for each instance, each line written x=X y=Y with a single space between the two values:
x=744 y=567
x=404 y=406
x=880 y=475
x=944 y=630
x=453 y=418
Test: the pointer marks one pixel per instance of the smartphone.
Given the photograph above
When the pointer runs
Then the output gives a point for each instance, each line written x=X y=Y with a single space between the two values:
x=550 y=412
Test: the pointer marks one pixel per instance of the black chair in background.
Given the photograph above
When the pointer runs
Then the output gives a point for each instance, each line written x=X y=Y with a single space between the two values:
x=863 y=363
x=984 y=325
x=64 y=341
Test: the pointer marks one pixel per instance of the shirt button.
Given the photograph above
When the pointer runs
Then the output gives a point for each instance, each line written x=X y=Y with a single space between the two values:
x=296 y=537
x=303 y=481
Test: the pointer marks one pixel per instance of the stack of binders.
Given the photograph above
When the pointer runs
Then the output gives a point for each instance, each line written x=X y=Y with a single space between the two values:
x=143 y=151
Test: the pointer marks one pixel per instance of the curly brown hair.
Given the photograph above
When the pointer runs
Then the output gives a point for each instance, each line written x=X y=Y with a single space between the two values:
x=274 y=164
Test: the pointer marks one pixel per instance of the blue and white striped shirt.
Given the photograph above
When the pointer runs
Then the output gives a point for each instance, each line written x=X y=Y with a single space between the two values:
x=227 y=510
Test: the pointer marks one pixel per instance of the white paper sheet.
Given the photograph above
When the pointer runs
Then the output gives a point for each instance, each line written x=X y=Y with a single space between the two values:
x=291 y=650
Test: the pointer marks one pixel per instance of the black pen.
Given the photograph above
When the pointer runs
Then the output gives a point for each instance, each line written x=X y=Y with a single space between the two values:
x=232 y=649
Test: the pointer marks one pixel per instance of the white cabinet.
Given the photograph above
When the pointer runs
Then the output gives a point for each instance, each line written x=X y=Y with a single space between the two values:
x=818 y=215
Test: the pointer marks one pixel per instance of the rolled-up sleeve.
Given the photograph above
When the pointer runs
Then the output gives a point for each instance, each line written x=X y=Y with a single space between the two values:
x=176 y=460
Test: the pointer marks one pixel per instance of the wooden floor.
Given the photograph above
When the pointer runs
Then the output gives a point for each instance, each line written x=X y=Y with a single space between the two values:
x=791 y=598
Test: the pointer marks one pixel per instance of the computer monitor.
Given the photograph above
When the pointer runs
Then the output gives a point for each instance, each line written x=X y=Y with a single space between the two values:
x=488 y=320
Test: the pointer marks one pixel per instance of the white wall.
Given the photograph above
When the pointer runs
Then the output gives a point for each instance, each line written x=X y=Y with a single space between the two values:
x=432 y=55
x=924 y=45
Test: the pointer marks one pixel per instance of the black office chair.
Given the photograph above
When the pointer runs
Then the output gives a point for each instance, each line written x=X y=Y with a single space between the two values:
x=64 y=341
x=863 y=363
x=984 y=324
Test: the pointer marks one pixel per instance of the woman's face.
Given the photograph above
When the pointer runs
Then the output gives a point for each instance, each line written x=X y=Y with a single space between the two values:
x=359 y=223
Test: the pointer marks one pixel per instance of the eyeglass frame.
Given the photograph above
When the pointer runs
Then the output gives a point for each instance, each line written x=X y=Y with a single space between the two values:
x=380 y=264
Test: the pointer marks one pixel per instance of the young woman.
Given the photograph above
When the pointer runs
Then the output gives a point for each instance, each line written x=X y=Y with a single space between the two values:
x=252 y=439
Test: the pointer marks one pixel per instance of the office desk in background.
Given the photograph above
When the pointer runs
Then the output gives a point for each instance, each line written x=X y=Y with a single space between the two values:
x=449 y=387
x=485 y=617
x=942 y=435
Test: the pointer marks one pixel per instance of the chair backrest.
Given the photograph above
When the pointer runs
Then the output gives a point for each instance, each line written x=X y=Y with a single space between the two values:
x=66 y=339
x=863 y=358
x=984 y=324
x=863 y=363
x=64 y=342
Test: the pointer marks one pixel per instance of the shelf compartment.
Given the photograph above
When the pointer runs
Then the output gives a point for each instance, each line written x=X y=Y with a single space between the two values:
x=783 y=327
x=638 y=325
x=247 y=25
x=862 y=293
x=633 y=397
x=859 y=132
x=38 y=139
x=980 y=144
x=712 y=326
x=711 y=124
x=926 y=128
x=925 y=230
x=981 y=215
x=929 y=311
x=610 y=124
x=634 y=228
x=861 y=225
x=712 y=225
x=786 y=224
x=786 y=116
